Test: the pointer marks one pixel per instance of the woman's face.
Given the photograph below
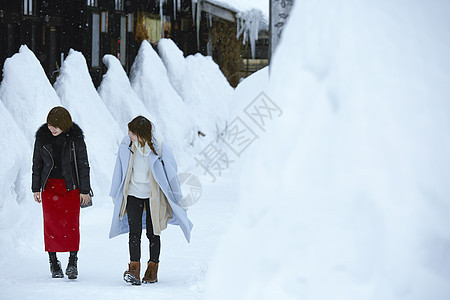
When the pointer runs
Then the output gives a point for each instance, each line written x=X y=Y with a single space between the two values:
x=132 y=136
x=54 y=130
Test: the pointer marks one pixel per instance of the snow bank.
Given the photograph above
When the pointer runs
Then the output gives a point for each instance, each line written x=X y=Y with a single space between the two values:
x=119 y=97
x=356 y=172
x=150 y=82
x=13 y=169
x=26 y=92
x=26 y=98
x=202 y=86
x=102 y=134
x=248 y=90
x=244 y=96
x=19 y=217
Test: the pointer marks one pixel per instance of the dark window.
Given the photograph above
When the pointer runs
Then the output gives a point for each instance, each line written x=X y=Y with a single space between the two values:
x=119 y=4
x=92 y=3
x=130 y=22
x=104 y=22
x=28 y=7
x=95 y=40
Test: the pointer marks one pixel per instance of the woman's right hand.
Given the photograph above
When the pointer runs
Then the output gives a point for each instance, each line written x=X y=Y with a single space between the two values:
x=37 y=197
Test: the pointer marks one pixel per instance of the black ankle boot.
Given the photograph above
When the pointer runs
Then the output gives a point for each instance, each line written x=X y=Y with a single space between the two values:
x=72 y=269
x=55 y=268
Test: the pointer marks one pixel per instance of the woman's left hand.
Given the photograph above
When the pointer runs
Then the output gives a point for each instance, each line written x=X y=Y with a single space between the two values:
x=85 y=198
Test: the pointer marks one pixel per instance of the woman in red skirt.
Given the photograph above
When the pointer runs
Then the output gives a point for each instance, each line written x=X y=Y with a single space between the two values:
x=61 y=186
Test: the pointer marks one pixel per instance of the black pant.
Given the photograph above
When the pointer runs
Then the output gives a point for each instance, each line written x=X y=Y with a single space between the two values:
x=52 y=255
x=135 y=208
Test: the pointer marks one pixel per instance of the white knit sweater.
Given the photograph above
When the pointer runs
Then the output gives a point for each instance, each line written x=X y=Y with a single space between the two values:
x=140 y=176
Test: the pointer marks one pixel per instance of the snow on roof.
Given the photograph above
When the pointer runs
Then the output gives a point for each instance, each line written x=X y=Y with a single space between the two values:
x=252 y=17
x=242 y=6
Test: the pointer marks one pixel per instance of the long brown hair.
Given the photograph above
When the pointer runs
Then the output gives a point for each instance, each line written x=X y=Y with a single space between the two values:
x=143 y=129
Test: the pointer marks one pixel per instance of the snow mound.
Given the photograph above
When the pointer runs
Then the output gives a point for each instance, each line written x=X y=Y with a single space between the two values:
x=249 y=89
x=26 y=92
x=18 y=224
x=202 y=87
x=103 y=135
x=356 y=171
x=14 y=168
x=150 y=82
x=119 y=97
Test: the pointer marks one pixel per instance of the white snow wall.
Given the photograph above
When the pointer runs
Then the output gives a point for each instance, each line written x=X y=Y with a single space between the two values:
x=26 y=92
x=26 y=98
x=17 y=210
x=357 y=169
x=202 y=86
x=120 y=98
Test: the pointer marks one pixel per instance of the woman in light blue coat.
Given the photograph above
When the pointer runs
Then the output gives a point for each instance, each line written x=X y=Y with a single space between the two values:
x=146 y=194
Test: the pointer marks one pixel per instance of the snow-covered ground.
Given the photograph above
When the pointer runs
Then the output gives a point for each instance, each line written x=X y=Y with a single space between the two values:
x=25 y=274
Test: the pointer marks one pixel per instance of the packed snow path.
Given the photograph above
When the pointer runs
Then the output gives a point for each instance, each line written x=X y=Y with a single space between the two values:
x=102 y=261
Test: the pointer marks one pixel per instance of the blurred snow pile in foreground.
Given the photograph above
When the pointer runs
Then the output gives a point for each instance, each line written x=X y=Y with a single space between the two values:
x=346 y=196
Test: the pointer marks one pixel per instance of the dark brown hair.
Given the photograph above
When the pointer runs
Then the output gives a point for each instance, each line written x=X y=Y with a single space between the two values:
x=59 y=117
x=143 y=129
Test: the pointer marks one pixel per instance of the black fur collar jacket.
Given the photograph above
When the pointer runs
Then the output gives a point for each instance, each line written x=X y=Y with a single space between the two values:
x=43 y=159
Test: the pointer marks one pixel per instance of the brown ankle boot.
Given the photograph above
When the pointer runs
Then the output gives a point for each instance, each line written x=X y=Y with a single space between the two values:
x=151 y=274
x=132 y=275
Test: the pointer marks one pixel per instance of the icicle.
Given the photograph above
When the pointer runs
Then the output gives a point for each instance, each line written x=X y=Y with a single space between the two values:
x=194 y=6
x=238 y=27
x=174 y=2
x=161 y=16
x=199 y=14
x=210 y=20
x=176 y=7
x=248 y=25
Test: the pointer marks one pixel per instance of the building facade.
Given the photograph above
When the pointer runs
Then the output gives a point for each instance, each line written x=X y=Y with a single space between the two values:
x=50 y=28
x=217 y=30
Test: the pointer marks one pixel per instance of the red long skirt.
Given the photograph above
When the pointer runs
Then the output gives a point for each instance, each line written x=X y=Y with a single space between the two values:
x=61 y=217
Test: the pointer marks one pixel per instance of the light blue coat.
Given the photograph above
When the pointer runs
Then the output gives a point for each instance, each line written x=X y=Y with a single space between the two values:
x=166 y=177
